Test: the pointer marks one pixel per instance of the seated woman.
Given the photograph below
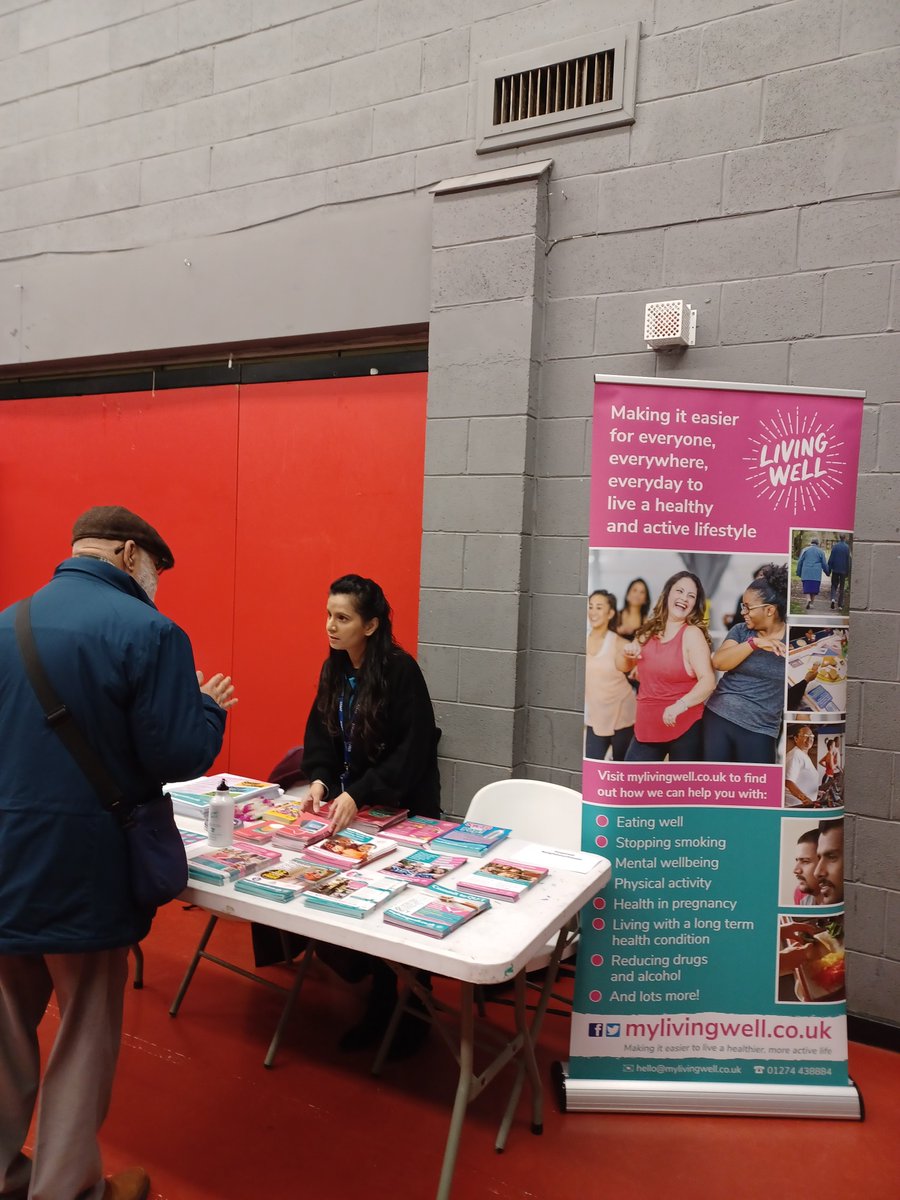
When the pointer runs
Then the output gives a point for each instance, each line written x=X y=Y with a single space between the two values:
x=672 y=652
x=634 y=611
x=742 y=721
x=609 y=700
x=370 y=738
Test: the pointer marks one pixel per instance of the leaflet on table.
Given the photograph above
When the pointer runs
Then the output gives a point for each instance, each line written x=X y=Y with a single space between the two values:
x=424 y=867
x=287 y=881
x=302 y=832
x=503 y=878
x=191 y=797
x=470 y=838
x=419 y=831
x=373 y=818
x=436 y=911
x=352 y=893
x=231 y=862
x=349 y=848
x=555 y=858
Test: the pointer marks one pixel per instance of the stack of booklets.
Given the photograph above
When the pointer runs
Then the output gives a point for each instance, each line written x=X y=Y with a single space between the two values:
x=191 y=797
x=286 y=881
x=374 y=818
x=232 y=862
x=502 y=878
x=418 y=831
x=306 y=829
x=470 y=838
x=285 y=810
x=424 y=867
x=189 y=838
x=349 y=848
x=352 y=893
x=436 y=911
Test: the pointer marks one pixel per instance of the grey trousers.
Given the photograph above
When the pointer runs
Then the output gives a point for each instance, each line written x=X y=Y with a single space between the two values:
x=77 y=1084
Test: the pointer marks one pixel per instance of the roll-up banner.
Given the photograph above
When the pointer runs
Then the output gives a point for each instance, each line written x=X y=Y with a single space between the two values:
x=710 y=975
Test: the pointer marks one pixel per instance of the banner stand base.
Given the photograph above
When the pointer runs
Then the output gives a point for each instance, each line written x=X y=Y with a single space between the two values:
x=706 y=1099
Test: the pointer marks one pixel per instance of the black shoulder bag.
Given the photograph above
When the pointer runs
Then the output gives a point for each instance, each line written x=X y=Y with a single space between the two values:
x=155 y=849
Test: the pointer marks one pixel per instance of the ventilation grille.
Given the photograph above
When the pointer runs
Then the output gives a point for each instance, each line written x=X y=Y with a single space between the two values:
x=561 y=87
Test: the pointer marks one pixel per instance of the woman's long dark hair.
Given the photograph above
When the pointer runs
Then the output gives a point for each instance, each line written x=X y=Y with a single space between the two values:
x=770 y=583
x=370 y=602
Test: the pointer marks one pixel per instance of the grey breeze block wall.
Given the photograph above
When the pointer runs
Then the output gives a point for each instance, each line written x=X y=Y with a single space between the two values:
x=213 y=171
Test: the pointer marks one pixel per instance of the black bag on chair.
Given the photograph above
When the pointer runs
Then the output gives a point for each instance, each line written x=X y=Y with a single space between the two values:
x=158 y=864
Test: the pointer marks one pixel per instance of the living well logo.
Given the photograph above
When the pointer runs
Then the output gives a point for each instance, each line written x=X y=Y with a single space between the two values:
x=796 y=461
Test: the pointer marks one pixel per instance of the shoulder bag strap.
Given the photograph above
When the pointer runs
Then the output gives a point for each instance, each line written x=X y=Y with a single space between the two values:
x=61 y=720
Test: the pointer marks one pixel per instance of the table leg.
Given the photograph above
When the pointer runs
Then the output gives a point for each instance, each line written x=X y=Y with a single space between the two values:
x=299 y=976
x=463 y=1088
x=529 y=1062
x=192 y=967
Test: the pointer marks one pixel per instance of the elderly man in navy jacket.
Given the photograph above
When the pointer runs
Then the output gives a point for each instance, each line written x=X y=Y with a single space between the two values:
x=839 y=566
x=67 y=917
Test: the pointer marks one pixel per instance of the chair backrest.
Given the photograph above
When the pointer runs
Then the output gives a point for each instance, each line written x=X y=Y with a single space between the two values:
x=532 y=809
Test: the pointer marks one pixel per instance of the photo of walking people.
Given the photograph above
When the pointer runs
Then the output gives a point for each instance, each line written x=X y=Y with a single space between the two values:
x=821 y=562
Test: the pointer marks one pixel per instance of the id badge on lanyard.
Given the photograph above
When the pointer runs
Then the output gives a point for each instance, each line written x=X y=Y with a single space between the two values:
x=345 y=719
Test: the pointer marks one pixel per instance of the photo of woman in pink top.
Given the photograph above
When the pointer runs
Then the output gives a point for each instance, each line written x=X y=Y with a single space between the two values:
x=673 y=654
x=608 y=696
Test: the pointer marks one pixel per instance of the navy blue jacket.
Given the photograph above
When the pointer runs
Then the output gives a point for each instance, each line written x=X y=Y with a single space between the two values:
x=126 y=673
x=839 y=559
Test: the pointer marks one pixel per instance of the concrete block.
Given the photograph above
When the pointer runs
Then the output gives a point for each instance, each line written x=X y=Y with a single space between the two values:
x=144 y=39
x=482 y=272
x=569 y=327
x=664 y=194
x=60 y=20
x=850 y=871
x=499 y=445
x=172 y=175
x=487 y=504
x=471 y=778
x=564 y=447
x=761 y=44
x=573 y=205
x=472 y=335
x=212 y=119
x=885 y=588
x=405 y=20
x=97 y=146
x=425 y=120
x=556 y=565
x=331 y=141
x=864 y=913
x=373 y=177
x=853 y=362
x=446 y=442
x=857 y=300
x=267 y=13
x=472 y=619
x=493 y=562
x=476 y=733
x=679 y=14
x=175 y=80
x=895 y=303
x=769 y=310
x=763 y=363
x=553 y=680
x=250 y=159
x=372 y=79
x=889 y=437
x=488 y=677
x=483 y=214
x=615 y=262
x=863 y=159
x=620 y=318
x=668 y=65
x=831 y=95
x=9 y=35
x=439 y=162
x=878 y=718
x=49 y=113
x=554 y=739
x=117 y=95
x=872 y=987
x=854 y=717
x=877 y=852
x=567 y=385
x=467 y=389
x=445 y=60
x=558 y=625
x=289 y=100
x=82 y=195
x=845 y=232
x=862 y=572
x=23 y=75
x=777 y=176
x=868 y=442
x=732 y=248
x=537 y=25
x=334 y=34
x=562 y=507
x=869 y=25
x=440 y=666
x=207 y=22
x=81 y=58
x=875 y=647
x=868 y=780
x=593 y=153
x=442 y=559
x=892 y=925
x=252 y=59
x=702 y=123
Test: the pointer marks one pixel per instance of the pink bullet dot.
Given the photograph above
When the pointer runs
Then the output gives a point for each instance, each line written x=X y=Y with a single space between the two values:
x=602 y=820
x=596 y=997
x=598 y=923
x=596 y=960
x=599 y=902
x=602 y=841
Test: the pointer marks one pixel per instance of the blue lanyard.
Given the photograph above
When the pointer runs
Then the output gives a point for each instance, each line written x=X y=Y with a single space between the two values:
x=346 y=724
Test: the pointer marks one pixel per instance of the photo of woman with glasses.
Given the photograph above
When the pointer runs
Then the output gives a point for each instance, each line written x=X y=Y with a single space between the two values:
x=742 y=721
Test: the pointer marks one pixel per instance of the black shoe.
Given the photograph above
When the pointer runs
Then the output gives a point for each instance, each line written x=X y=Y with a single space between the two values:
x=832 y=604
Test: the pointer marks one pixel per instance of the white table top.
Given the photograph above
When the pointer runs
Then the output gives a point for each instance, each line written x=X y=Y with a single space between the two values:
x=490 y=948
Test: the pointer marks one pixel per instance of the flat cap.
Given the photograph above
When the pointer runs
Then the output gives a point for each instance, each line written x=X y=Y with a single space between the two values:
x=116 y=523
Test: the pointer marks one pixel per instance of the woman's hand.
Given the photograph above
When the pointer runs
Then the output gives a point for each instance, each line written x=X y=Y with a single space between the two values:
x=219 y=688
x=343 y=812
x=632 y=650
x=315 y=797
x=673 y=712
x=772 y=644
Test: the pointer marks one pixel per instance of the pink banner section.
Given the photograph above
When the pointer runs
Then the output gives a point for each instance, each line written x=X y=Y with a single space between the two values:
x=732 y=785
x=659 y=455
